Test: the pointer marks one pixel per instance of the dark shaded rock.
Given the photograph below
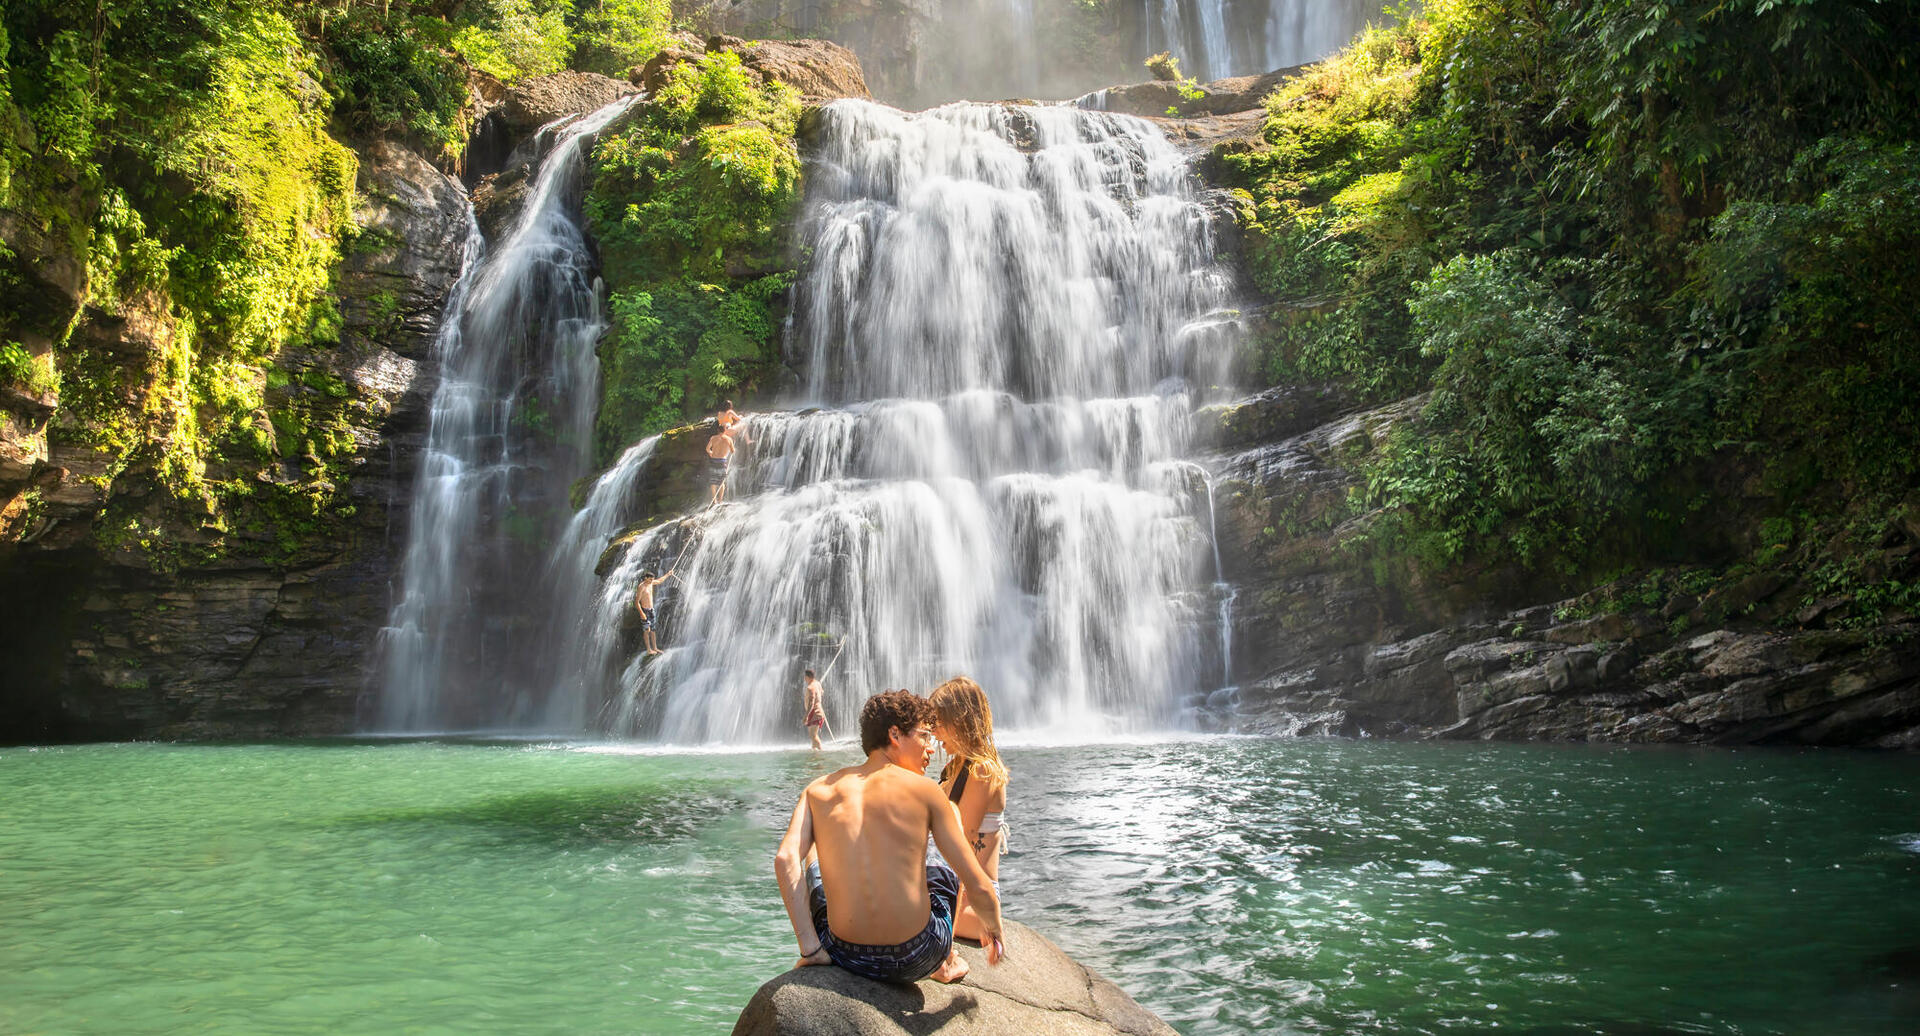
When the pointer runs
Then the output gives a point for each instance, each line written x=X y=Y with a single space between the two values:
x=1038 y=990
x=1330 y=641
x=1277 y=413
x=498 y=198
x=412 y=239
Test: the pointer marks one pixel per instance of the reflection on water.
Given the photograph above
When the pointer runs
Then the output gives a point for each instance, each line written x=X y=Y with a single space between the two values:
x=1232 y=885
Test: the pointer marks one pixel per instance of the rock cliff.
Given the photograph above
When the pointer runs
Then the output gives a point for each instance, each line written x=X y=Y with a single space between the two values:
x=1335 y=641
x=254 y=620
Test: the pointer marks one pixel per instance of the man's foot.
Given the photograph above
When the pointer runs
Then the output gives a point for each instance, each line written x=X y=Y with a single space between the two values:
x=953 y=969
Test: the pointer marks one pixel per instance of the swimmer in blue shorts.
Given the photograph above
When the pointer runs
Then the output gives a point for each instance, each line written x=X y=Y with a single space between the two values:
x=861 y=885
x=719 y=455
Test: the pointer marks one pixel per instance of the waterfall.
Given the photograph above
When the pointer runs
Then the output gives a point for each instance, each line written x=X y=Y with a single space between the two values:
x=1218 y=38
x=509 y=431
x=1005 y=321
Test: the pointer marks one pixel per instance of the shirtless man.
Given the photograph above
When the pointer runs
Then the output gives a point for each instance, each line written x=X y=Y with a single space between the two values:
x=643 y=600
x=728 y=418
x=877 y=902
x=719 y=453
x=816 y=715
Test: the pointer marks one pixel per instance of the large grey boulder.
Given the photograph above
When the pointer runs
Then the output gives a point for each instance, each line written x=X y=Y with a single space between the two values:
x=1039 y=989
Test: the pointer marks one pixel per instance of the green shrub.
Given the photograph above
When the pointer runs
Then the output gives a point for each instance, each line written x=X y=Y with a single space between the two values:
x=687 y=203
x=394 y=73
x=616 y=35
x=1622 y=244
x=513 y=40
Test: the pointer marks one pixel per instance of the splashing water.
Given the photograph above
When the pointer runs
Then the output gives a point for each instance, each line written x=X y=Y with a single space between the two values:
x=1006 y=320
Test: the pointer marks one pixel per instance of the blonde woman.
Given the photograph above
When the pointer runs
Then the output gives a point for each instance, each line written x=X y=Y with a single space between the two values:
x=974 y=779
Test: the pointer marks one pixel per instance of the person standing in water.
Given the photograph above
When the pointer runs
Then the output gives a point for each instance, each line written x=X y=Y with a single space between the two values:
x=975 y=782
x=643 y=600
x=719 y=454
x=816 y=714
x=878 y=901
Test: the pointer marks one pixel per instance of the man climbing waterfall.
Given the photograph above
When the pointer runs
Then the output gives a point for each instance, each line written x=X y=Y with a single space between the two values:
x=719 y=454
x=816 y=714
x=643 y=600
x=728 y=417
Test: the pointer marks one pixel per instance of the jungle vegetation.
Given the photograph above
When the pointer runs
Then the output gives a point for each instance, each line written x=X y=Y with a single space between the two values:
x=1651 y=263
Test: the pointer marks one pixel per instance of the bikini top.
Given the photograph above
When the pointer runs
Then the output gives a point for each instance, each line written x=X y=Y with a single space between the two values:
x=989 y=823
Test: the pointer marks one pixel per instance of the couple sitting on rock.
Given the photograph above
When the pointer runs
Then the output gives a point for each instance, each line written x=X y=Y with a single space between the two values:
x=862 y=886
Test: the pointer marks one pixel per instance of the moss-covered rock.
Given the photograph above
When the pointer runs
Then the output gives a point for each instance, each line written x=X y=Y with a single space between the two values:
x=692 y=190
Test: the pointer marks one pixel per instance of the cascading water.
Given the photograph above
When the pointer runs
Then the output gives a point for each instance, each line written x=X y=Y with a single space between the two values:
x=508 y=433
x=1006 y=320
x=1218 y=38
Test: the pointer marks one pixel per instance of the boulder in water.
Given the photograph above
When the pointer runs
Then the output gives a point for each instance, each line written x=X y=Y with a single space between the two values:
x=1038 y=989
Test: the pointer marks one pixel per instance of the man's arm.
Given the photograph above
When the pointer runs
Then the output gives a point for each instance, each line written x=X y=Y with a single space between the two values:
x=952 y=843
x=790 y=869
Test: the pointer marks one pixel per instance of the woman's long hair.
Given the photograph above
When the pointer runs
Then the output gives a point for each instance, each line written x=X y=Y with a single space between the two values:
x=962 y=708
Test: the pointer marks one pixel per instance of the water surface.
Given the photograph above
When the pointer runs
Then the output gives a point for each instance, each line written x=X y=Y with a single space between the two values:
x=1232 y=885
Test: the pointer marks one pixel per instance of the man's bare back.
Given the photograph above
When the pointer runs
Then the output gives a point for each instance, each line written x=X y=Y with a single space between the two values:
x=873 y=893
x=870 y=828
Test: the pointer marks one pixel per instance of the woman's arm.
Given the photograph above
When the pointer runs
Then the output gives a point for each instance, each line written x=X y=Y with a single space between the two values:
x=974 y=882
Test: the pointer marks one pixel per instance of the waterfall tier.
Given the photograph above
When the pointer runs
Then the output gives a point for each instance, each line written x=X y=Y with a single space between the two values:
x=508 y=433
x=1005 y=320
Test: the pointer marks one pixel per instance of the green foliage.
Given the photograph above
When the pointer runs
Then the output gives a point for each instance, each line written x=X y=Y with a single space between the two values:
x=1336 y=238
x=197 y=136
x=395 y=73
x=1807 y=301
x=1622 y=244
x=20 y=367
x=614 y=36
x=687 y=201
x=513 y=40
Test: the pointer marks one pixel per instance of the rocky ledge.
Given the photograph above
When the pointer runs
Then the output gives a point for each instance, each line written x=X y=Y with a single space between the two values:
x=1329 y=643
x=1039 y=989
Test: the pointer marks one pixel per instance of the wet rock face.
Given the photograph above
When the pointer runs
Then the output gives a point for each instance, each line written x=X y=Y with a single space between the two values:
x=413 y=233
x=273 y=635
x=1323 y=647
x=540 y=100
x=1039 y=990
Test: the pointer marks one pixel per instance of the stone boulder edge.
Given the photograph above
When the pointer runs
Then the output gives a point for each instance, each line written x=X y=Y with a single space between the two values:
x=822 y=71
x=1039 y=989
